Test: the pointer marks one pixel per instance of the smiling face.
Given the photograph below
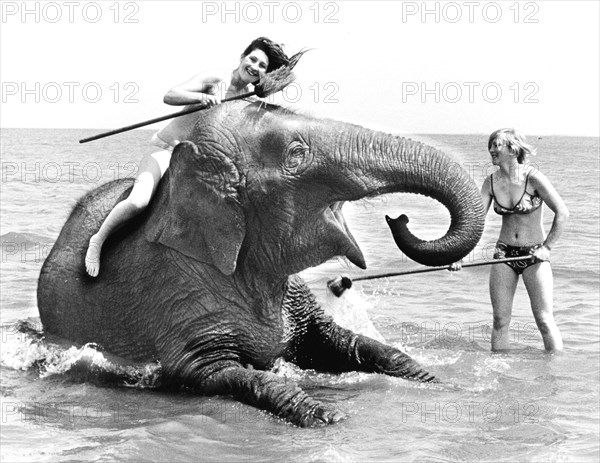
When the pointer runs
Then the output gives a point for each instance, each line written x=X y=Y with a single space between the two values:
x=499 y=149
x=253 y=65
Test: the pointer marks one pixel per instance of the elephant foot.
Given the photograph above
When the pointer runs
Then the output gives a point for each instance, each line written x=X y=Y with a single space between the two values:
x=387 y=360
x=92 y=256
x=273 y=394
x=399 y=365
x=308 y=412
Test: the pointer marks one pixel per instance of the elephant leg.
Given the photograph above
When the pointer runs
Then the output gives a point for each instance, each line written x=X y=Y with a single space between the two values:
x=329 y=347
x=319 y=343
x=212 y=366
x=269 y=392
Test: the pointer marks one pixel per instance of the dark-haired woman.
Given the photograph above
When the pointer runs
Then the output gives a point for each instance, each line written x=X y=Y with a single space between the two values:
x=260 y=57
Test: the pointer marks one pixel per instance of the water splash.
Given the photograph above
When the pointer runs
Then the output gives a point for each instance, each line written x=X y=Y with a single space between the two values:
x=487 y=373
x=330 y=454
x=350 y=311
x=60 y=362
x=25 y=349
x=288 y=370
x=294 y=373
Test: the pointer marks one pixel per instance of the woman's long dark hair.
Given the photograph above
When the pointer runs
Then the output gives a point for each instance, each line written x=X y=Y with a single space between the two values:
x=273 y=50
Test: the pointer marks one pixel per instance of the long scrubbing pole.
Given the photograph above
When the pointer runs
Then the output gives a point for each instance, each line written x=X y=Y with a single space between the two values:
x=270 y=83
x=341 y=283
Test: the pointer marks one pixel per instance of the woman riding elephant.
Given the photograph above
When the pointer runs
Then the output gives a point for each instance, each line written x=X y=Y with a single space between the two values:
x=207 y=89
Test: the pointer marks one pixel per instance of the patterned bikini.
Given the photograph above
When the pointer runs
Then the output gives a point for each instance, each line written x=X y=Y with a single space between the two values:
x=526 y=205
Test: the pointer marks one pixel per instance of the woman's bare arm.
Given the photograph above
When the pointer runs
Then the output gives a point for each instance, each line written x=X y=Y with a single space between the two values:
x=551 y=197
x=199 y=89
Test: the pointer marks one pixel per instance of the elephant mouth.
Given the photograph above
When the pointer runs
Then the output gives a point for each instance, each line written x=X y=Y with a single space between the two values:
x=348 y=245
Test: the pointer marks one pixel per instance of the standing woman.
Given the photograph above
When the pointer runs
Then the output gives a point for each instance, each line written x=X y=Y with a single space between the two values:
x=260 y=57
x=517 y=191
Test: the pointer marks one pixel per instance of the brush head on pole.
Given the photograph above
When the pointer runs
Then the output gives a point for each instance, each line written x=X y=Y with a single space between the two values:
x=277 y=80
x=339 y=284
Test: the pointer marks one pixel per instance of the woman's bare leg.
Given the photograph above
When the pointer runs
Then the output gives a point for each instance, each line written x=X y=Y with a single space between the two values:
x=503 y=284
x=539 y=283
x=152 y=168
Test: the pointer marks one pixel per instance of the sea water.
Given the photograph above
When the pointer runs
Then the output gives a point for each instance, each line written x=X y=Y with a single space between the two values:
x=516 y=406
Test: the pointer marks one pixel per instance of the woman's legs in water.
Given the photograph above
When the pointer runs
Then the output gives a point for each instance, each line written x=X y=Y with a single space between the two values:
x=503 y=284
x=539 y=283
x=152 y=168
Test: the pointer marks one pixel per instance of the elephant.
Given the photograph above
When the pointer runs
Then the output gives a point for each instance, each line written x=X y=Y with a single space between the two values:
x=205 y=281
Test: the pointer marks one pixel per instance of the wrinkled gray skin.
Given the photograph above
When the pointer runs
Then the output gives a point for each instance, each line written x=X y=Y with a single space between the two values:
x=204 y=280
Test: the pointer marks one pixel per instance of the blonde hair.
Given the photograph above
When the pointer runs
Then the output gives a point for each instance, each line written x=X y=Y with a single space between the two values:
x=516 y=144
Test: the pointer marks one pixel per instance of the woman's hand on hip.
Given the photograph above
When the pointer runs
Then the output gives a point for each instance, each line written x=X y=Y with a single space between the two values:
x=541 y=253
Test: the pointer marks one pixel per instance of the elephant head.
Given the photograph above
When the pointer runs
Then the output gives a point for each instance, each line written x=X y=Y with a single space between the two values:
x=265 y=190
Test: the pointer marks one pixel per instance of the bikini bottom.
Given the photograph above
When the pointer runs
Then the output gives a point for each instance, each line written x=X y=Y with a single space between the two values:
x=504 y=250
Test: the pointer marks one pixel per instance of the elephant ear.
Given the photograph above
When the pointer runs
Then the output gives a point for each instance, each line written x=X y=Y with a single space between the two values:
x=203 y=218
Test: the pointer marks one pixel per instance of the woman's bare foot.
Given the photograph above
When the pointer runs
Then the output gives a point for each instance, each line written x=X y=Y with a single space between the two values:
x=92 y=257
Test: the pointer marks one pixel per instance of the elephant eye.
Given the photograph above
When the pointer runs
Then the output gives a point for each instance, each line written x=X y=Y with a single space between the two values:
x=298 y=157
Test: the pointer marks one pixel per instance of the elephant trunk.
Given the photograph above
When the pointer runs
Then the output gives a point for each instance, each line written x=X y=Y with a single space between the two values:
x=390 y=164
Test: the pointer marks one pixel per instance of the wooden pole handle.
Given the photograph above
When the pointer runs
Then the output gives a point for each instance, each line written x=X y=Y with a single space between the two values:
x=435 y=269
x=183 y=112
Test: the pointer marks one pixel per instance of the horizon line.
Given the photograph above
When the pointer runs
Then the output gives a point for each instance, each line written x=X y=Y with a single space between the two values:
x=398 y=133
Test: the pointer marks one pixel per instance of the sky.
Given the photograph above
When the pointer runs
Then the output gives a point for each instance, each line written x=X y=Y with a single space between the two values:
x=405 y=67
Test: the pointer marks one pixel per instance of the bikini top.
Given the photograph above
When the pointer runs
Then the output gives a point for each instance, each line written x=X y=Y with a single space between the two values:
x=526 y=205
